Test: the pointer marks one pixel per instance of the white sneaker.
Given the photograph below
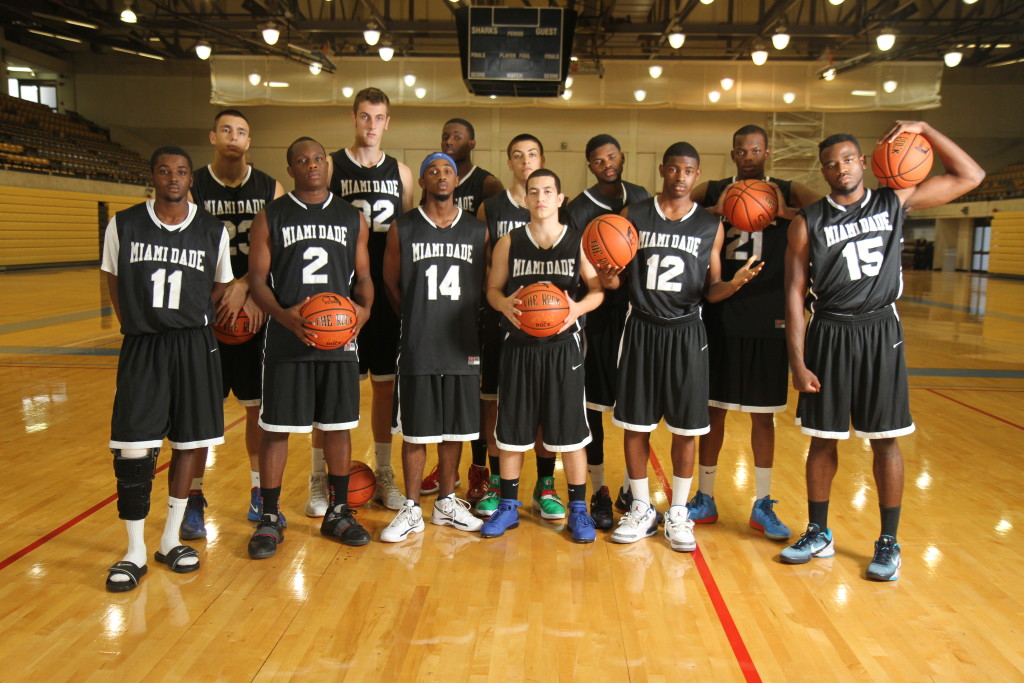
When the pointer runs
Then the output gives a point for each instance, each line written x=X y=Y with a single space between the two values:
x=452 y=511
x=407 y=522
x=316 y=504
x=679 y=529
x=386 y=492
x=640 y=522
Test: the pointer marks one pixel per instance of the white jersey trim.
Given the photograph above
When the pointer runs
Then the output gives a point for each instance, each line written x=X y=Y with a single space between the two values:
x=471 y=172
x=304 y=205
x=248 y=174
x=561 y=235
x=355 y=161
x=203 y=443
x=863 y=200
x=657 y=207
x=192 y=209
x=458 y=216
x=746 y=409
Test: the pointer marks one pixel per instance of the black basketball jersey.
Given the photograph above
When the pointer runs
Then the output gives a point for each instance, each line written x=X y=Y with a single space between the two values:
x=469 y=193
x=165 y=277
x=590 y=203
x=235 y=206
x=666 y=278
x=529 y=263
x=758 y=309
x=312 y=251
x=504 y=215
x=855 y=252
x=442 y=288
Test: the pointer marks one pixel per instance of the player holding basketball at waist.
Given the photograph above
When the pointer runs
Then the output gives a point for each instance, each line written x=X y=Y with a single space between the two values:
x=749 y=370
x=663 y=356
x=542 y=384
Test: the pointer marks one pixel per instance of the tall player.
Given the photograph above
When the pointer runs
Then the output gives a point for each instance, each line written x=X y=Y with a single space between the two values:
x=663 y=368
x=164 y=259
x=381 y=187
x=235 y=192
x=434 y=271
x=846 y=248
x=306 y=243
x=610 y=194
x=541 y=383
x=747 y=336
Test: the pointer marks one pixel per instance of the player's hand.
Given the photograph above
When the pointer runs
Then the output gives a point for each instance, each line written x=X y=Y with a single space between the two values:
x=508 y=308
x=574 y=312
x=784 y=210
x=806 y=381
x=747 y=272
x=899 y=127
x=362 y=316
x=293 y=320
x=257 y=317
x=232 y=301
x=719 y=208
x=609 y=275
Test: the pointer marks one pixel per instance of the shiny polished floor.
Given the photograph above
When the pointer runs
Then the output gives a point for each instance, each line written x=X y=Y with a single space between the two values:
x=532 y=605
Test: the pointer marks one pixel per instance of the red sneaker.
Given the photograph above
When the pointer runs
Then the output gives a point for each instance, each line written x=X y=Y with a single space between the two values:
x=478 y=483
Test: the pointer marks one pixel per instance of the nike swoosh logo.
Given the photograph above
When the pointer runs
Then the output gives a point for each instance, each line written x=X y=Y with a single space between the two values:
x=577 y=367
x=253 y=508
x=896 y=344
x=703 y=347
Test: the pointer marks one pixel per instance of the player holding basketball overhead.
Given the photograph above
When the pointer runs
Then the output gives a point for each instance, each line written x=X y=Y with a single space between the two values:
x=541 y=383
x=234 y=192
x=747 y=335
x=610 y=194
x=381 y=187
x=434 y=270
x=663 y=369
x=164 y=259
x=846 y=248
x=306 y=243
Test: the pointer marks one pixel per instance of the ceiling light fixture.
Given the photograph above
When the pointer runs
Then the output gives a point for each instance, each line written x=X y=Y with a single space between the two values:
x=568 y=82
x=347 y=90
x=789 y=97
x=952 y=58
x=727 y=83
x=654 y=70
x=829 y=75
x=706 y=2
x=886 y=39
x=890 y=86
x=371 y=35
x=203 y=50
x=315 y=68
x=863 y=93
x=386 y=52
x=759 y=56
x=780 y=39
x=639 y=95
x=970 y=2
x=138 y=54
x=278 y=84
x=676 y=40
x=420 y=93
x=127 y=14
x=837 y=3
x=271 y=34
x=255 y=78
x=55 y=35
x=410 y=79
x=714 y=96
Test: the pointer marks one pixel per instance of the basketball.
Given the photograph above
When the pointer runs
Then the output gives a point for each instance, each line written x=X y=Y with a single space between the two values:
x=544 y=308
x=332 y=317
x=904 y=162
x=238 y=332
x=361 y=483
x=750 y=205
x=610 y=240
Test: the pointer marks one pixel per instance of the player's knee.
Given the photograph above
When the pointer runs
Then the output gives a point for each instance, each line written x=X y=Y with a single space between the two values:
x=134 y=469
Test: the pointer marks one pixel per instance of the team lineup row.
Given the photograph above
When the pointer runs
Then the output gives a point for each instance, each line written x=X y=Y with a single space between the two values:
x=678 y=334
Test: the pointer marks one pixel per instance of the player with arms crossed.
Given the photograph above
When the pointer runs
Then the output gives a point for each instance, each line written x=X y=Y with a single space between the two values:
x=166 y=261
x=306 y=243
x=846 y=248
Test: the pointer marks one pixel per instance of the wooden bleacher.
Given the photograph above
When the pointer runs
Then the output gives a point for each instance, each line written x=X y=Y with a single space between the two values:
x=1005 y=184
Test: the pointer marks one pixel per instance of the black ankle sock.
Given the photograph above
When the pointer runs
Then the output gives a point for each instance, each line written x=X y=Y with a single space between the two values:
x=479 y=451
x=817 y=513
x=578 y=492
x=890 y=520
x=595 y=449
x=339 y=489
x=510 y=488
x=495 y=464
x=545 y=467
x=271 y=500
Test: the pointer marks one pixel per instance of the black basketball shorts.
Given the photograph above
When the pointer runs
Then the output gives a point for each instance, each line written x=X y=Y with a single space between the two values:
x=491 y=339
x=604 y=334
x=436 y=408
x=168 y=385
x=750 y=374
x=241 y=366
x=298 y=396
x=542 y=386
x=378 y=340
x=663 y=372
x=860 y=363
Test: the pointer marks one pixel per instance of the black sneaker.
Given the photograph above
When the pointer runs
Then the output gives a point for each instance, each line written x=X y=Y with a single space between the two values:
x=340 y=523
x=601 y=508
x=269 y=533
x=624 y=501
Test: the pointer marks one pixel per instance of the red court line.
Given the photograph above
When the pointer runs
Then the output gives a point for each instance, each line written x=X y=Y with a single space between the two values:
x=732 y=633
x=976 y=409
x=10 y=559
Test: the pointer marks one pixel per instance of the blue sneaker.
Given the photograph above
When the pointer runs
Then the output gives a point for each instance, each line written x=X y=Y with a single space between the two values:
x=581 y=523
x=885 y=565
x=504 y=518
x=814 y=543
x=762 y=518
x=256 y=509
x=193 y=525
x=702 y=509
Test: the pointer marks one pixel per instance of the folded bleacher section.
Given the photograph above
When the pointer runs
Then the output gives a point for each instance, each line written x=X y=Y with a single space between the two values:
x=1005 y=184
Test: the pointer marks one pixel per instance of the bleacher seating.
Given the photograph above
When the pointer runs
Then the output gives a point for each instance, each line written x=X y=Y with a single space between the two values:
x=34 y=138
x=1005 y=184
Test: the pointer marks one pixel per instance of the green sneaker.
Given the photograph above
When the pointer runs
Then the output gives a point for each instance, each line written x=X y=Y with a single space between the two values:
x=546 y=500
x=491 y=500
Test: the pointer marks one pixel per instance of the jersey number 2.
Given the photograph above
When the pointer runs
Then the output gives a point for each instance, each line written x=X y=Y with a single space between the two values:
x=449 y=286
x=161 y=280
x=317 y=257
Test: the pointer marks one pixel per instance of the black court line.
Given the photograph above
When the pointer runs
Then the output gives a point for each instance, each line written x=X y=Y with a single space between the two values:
x=56 y=320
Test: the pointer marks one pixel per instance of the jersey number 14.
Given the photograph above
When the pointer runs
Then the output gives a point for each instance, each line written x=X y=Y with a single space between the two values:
x=448 y=287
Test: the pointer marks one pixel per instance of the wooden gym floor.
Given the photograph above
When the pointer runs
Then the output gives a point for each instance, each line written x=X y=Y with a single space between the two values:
x=531 y=605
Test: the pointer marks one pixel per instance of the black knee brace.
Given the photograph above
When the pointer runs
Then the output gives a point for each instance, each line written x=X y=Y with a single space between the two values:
x=134 y=483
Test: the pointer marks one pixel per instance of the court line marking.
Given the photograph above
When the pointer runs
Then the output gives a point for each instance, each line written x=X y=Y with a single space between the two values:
x=976 y=409
x=56 y=320
x=963 y=309
x=17 y=555
x=732 y=632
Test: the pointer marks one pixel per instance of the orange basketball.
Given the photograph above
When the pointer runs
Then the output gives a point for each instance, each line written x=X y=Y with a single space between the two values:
x=332 y=317
x=904 y=162
x=238 y=332
x=544 y=308
x=750 y=205
x=361 y=483
x=610 y=240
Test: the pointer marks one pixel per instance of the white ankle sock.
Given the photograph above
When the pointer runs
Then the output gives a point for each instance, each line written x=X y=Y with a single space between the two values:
x=763 y=481
x=318 y=464
x=136 y=541
x=680 y=489
x=596 y=476
x=382 y=453
x=197 y=484
x=254 y=477
x=640 y=490
x=706 y=479
x=175 y=513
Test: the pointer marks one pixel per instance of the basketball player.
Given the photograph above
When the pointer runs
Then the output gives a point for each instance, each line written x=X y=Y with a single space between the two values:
x=663 y=369
x=541 y=383
x=503 y=213
x=234 y=192
x=434 y=270
x=164 y=259
x=306 y=243
x=847 y=248
x=747 y=335
x=458 y=140
x=381 y=187
x=610 y=194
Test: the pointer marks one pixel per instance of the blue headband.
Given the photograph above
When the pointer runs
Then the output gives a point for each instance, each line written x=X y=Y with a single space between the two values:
x=431 y=158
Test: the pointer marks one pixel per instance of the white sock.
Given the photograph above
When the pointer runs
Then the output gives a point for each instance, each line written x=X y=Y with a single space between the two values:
x=625 y=481
x=382 y=453
x=680 y=489
x=254 y=477
x=596 y=476
x=197 y=484
x=169 y=540
x=136 y=545
x=318 y=463
x=640 y=490
x=763 y=481
x=706 y=478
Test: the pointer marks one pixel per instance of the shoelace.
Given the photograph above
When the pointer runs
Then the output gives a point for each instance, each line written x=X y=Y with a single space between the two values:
x=808 y=538
x=582 y=520
x=634 y=521
x=457 y=502
x=769 y=510
x=883 y=553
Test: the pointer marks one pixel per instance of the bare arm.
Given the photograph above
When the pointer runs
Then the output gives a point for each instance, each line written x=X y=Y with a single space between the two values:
x=492 y=186
x=798 y=258
x=408 y=188
x=393 y=269
x=962 y=175
x=262 y=294
x=362 y=287
x=714 y=289
x=593 y=298
x=497 y=278
x=279 y=188
x=115 y=297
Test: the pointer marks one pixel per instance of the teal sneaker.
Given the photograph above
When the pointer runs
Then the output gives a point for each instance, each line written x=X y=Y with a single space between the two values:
x=763 y=518
x=546 y=500
x=702 y=509
x=814 y=543
x=489 y=503
x=885 y=565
